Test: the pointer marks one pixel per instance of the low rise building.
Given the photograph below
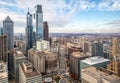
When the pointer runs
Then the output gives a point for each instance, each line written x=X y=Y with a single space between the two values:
x=37 y=60
x=28 y=74
x=50 y=61
x=93 y=75
x=96 y=61
x=3 y=72
x=44 y=62
x=114 y=67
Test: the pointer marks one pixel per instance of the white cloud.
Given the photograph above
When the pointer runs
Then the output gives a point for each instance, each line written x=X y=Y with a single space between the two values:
x=109 y=5
x=58 y=13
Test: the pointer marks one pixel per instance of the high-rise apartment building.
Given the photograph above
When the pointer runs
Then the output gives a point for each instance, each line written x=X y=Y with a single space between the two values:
x=38 y=22
x=115 y=46
x=8 y=29
x=45 y=31
x=3 y=48
x=29 y=31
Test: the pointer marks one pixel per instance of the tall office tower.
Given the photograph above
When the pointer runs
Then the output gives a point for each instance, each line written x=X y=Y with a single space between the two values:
x=115 y=46
x=97 y=49
x=3 y=48
x=8 y=29
x=46 y=31
x=38 y=22
x=29 y=31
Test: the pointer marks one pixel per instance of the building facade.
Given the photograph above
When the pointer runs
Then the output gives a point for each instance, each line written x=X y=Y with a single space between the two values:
x=42 y=45
x=115 y=46
x=97 y=49
x=9 y=30
x=44 y=62
x=3 y=48
x=114 y=67
x=37 y=60
x=75 y=59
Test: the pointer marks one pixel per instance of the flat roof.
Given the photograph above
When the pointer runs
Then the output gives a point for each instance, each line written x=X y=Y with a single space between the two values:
x=29 y=74
x=19 y=54
x=94 y=60
x=95 y=73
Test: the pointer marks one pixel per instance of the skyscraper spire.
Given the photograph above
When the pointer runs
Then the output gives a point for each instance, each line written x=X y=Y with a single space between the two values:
x=28 y=9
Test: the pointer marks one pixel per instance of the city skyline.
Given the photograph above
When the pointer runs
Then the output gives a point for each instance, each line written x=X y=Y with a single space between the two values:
x=66 y=16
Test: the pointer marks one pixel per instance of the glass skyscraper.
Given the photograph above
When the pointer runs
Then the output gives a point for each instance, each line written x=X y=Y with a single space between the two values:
x=29 y=31
x=9 y=31
x=38 y=22
x=97 y=49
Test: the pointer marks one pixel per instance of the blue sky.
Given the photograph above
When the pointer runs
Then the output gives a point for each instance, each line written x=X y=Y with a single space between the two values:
x=69 y=16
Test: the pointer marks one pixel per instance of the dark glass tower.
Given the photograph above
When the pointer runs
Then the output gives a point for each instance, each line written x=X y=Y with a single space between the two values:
x=97 y=49
x=46 y=31
x=29 y=31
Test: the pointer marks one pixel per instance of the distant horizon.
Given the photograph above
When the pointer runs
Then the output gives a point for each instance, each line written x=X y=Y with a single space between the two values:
x=76 y=33
x=66 y=16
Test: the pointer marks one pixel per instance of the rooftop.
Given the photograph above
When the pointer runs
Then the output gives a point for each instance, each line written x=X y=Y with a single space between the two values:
x=18 y=54
x=95 y=73
x=3 y=70
x=94 y=60
x=29 y=74
x=79 y=54
x=8 y=19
